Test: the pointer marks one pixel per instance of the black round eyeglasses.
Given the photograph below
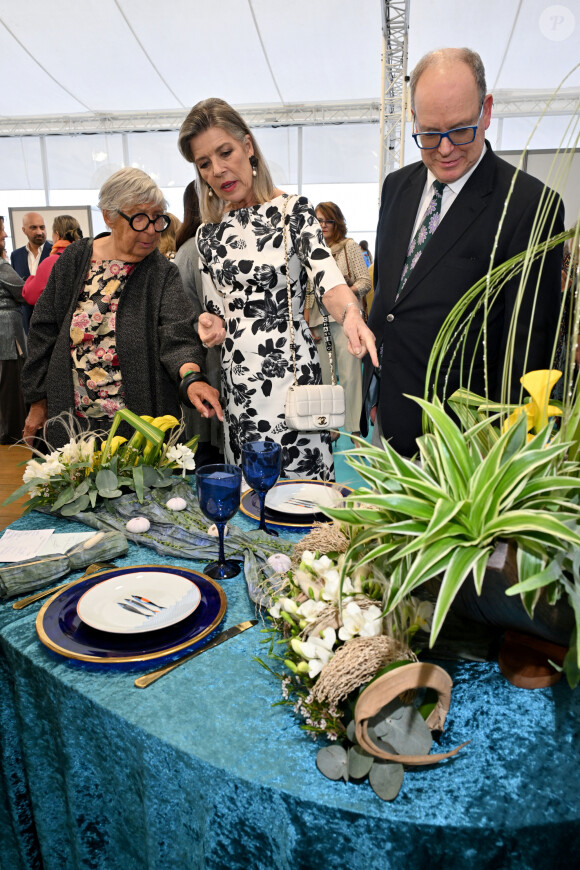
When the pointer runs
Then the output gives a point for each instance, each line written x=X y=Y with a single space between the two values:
x=141 y=221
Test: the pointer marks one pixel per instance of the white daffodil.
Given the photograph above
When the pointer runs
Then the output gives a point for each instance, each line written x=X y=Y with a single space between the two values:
x=280 y=562
x=364 y=623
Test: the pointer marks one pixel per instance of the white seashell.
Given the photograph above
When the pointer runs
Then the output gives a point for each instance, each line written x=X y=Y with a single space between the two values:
x=138 y=525
x=213 y=530
x=280 y=562
x=176 y=504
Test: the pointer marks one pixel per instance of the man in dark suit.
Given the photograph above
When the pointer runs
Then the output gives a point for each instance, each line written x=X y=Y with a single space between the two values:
x=451 y=111
x=25 y=260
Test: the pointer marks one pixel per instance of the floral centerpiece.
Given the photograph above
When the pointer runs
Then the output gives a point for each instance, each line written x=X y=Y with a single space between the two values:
x=328 y=638
x=84 y=471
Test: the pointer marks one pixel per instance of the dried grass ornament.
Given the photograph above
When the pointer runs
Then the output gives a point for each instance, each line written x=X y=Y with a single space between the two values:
x=323 y=538
x=355 y=663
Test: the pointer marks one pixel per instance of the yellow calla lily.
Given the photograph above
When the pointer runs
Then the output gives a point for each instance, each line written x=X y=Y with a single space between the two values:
x=539 y=385
x=116 y=443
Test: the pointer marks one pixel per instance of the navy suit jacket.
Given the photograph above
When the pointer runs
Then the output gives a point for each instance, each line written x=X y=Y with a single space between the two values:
x=19 y=259
x=455 y=258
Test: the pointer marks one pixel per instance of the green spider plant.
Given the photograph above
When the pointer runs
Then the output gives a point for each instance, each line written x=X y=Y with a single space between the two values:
x=444 y=517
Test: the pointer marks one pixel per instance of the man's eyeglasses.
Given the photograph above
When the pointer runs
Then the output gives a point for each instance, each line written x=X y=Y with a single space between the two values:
x=324 y=222
x=140 y=222
x=458 y=136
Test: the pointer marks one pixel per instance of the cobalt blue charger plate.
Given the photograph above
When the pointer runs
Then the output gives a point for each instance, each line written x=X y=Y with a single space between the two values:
x=250 y=506
x=60 y=628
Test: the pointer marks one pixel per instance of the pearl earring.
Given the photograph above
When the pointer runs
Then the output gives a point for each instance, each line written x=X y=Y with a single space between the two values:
x=254 y=164
x=209 y=191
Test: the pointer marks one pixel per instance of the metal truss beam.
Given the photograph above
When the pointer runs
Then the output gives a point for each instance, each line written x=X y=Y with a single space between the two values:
x=389 y=112
x=290 y=115
x=395 y=15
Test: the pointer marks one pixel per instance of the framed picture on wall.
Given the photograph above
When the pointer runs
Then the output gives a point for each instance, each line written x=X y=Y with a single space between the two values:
x=81 y=212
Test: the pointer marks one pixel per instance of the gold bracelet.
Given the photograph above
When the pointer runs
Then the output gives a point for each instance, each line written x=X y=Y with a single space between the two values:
x=346 y=307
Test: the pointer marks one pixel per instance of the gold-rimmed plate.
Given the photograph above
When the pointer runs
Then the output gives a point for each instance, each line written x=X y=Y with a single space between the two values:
x=60 y=628
x=250 y=505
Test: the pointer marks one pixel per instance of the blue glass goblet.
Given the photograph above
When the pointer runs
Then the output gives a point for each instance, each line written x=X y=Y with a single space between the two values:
x=219 y=491
x=261 y=464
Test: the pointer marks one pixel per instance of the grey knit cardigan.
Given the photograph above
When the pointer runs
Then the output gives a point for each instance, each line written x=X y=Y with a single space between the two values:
x=154 y=332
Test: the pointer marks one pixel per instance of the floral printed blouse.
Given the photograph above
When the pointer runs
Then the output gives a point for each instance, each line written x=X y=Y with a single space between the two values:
x=97 y=378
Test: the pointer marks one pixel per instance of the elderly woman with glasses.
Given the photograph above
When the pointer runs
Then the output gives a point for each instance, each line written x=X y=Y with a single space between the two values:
x=114 y=328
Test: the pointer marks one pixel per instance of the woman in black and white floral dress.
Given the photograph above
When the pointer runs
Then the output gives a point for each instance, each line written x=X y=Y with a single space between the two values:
x=242 y=256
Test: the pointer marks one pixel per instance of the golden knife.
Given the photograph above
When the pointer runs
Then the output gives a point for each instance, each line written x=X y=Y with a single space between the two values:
x=147 y=679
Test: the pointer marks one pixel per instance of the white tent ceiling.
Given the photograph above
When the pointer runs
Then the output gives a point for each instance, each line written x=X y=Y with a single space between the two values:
x=106 y=58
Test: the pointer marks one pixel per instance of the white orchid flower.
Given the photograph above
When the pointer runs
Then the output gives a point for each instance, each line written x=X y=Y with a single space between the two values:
x=307 y=558
x=323 y=564
x=424 y=615
x=288 y=605
x=307 y=583
x=182 y=456
x=364 y=623
x=316 y=650
x=310 y=610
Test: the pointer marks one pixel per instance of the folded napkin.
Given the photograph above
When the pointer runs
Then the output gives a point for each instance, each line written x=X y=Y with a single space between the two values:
x=20 y=577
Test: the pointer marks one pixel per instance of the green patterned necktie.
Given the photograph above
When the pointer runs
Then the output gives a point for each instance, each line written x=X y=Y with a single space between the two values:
x=424 y=232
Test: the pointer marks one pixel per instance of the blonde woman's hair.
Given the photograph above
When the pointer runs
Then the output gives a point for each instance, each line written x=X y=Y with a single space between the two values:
x=214 y=112
x=67 y=227
x=167 y=242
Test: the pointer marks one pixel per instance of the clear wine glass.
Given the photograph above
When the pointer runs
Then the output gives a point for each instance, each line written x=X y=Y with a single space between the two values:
x=219 y=492
x=261 y=464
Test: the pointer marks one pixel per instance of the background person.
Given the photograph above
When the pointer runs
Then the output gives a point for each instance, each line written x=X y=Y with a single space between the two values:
x=349 y=259
x=210 y=446
x=368 y=257
x=12 y=349
x=114 y=328
x=65 y=230
x=451 y=111
x=243 y=259
x=26 y=260
x=167 y=242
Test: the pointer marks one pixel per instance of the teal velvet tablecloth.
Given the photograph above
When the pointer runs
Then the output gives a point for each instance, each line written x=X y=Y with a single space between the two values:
x=200 y=771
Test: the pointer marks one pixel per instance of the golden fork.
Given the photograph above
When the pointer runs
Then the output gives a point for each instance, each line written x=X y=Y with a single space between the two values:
x=92 y=569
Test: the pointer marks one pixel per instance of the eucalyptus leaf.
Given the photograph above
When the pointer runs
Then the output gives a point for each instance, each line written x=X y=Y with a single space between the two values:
x=67 y=495
x=110 y=493
x=75 y=507
x=359 y=762
x=151 y=476
x=106 y=479
x=350 y=731
x=332 y=761
x=83 y=487
x=386 y=779
x=401 y=727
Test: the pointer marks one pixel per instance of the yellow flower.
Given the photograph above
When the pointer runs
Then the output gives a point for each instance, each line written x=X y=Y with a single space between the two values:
x=116 y=443
x=539 y=385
